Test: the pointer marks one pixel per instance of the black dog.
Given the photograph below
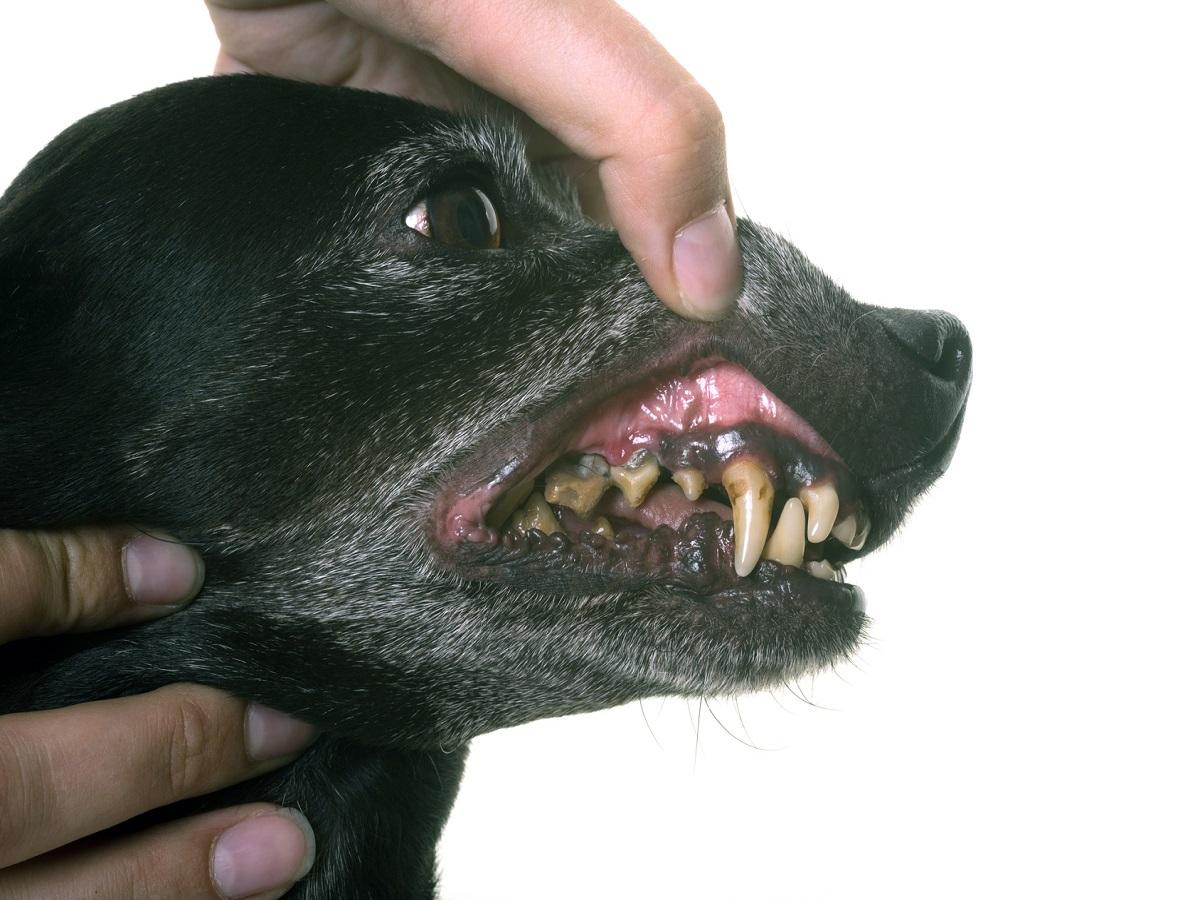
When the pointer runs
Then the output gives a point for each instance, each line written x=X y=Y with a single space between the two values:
x=383 y=376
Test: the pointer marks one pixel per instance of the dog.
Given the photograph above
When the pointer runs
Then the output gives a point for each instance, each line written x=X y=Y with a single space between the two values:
x=451 y=465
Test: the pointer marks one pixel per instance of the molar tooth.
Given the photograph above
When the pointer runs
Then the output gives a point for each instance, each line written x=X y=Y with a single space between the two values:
x=578 y=486
x=821 y=501
x=786 y=544
x=751 y=495
x=603 y=527
x=537 y=514
x=509 y=503
x=819 y=568
x=692 y=481
x=636 y=478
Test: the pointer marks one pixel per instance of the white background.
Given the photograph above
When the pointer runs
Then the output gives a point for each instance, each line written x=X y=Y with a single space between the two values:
x=1021 y=724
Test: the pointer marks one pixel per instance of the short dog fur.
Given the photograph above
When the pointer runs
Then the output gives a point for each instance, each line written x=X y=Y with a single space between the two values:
x=214 y=321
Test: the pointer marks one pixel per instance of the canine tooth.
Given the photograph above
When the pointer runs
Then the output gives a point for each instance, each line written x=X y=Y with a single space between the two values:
x=578 y=486
x=819 y=568
x=692 y=481
x=821 y=501
x=635 y=479
x=509 y=504
x=845 y=530
x=603 y=527
x=786 y=544
x=751 y=496
x=537 y=514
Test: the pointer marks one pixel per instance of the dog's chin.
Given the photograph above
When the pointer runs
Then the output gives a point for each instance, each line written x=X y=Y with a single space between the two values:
x=687 y=493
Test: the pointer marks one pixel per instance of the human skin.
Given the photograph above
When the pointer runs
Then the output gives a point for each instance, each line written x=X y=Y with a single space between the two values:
x=69 y=773
x=600 y=97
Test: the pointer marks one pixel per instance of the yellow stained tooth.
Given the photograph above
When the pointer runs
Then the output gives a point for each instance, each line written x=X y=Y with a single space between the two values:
x=635 y=481
x=786 y=544
x=692 y=481
x=845 y=530
x=821 y=501
x=578 y=486
x=537 y=514
x=603 y=527
x=819 y=568
x=751 y=495
x=509 y=504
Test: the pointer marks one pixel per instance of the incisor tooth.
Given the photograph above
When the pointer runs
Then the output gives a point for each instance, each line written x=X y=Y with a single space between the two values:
x=751 y=495
x=603 y=527
x=509 y=504
x=692 y=481
x=786 y=544
x=578 y=486
x=821 y=501
x=819 y=568
x=537 y=514
x=635 y=480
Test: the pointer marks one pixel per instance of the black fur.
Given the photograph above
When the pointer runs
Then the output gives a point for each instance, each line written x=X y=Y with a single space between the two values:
x=214 y=321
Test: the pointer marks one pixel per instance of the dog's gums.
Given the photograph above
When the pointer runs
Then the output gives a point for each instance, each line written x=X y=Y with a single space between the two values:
x=451 y=465
x=680 y=477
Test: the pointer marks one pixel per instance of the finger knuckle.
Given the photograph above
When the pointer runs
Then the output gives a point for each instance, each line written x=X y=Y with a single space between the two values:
x=193 y=736
x=53 y=569
x=689 y=116
x=26 y=798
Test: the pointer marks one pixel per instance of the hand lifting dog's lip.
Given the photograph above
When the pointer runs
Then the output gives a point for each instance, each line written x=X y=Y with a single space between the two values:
x=452 y=466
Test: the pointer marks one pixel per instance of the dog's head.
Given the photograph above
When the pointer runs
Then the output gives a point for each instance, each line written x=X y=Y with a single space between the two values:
x=452 y=465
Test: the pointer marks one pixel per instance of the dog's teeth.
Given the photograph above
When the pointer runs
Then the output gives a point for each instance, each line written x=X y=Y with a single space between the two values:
x=536 y=514
x=786 y=544
x=692 y=481
x=853 y=530
x=864 y=530
x=821 y=501
x=751 y=496
x=819 y=568
x=636 y=478
x=579 y=485
x=509 y=504
x=845 y=530
x=603 y=527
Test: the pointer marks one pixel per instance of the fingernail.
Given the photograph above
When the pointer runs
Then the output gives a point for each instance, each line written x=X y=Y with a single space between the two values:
x=271 y=734
x=161 y=572
x=265 y=853
x=708 y=267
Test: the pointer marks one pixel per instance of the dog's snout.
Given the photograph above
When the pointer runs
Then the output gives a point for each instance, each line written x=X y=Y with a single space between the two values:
x=936 y=339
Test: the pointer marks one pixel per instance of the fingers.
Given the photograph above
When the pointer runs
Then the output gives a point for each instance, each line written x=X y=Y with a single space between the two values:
x=89 y=578
x=72 y=772
x=591 y=75
x=248 y=851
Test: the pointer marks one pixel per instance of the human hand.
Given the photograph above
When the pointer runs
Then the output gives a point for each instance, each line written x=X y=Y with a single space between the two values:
x=69 y=773
x=644 y=141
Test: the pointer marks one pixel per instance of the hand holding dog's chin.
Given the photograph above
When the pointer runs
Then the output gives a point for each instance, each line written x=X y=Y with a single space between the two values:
x=644 y=140
x=70 y=773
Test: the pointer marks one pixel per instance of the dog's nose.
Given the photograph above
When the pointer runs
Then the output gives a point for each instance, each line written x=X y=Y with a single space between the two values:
x=937 y=340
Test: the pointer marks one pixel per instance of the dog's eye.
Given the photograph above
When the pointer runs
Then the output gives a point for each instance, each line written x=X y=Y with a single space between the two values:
x=460 y=215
